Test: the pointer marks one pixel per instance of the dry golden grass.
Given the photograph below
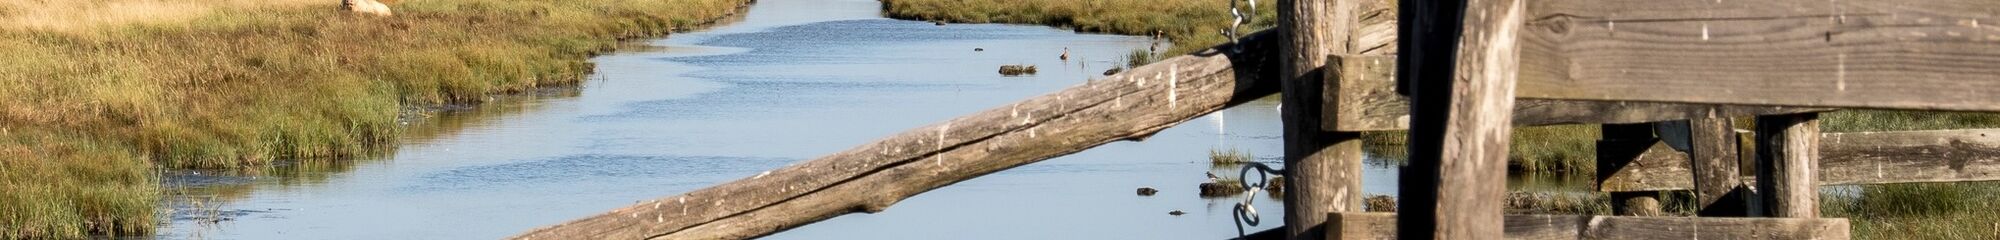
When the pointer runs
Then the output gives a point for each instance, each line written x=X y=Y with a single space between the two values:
x=96 y=93
x=80 y=15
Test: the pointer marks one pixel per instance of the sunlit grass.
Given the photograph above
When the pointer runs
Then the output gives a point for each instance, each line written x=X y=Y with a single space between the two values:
x=1190 y=24
x=95 y=93
x=1229 y=156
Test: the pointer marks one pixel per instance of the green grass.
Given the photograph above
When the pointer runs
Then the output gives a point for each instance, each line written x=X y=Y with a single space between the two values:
x=1919 y=211
x=1190 y=24
x=1139 y=57
x=87 y=111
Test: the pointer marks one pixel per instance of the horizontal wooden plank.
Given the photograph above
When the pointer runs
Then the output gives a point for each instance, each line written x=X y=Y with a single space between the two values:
x=1850 y=158
x=1383 y=225
x=871 y=177
x=1362 y=97
x=1904 y=157
x=1916 y=54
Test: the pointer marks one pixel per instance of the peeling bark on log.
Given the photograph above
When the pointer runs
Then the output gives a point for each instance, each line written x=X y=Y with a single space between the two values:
x=869 y=178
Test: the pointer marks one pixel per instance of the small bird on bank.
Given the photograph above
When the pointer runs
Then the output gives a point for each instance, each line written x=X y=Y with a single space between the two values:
x=1211 y=177
x=1065 y=55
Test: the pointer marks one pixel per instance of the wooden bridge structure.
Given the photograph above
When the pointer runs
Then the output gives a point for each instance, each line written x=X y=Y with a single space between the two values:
x=1457 y=76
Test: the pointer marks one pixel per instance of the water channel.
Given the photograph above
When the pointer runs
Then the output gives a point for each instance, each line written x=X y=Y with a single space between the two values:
x=789 y=81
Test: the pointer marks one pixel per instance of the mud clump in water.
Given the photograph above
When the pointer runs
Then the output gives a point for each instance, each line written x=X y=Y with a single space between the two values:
x=1017 y=70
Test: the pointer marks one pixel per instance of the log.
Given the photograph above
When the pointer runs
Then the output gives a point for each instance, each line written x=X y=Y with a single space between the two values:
x=871 y=177
x=1919 y=54
x=1787 y=158
x=1461 y=108
x=1323 y=168
x=1849 y=159
x=1382 y=225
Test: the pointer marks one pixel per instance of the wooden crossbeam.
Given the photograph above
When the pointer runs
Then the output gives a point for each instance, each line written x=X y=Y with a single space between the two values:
x=869 y=178
x=1383 y=225
x=1917 y=54
x=1361 y=97
x=1846 y=159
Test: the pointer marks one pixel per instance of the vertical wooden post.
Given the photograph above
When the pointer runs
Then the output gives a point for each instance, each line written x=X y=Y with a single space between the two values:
x=1623 y=144
x=1461 y=83
x=1717 y=176
x=1787 y=159
x=1324 y=168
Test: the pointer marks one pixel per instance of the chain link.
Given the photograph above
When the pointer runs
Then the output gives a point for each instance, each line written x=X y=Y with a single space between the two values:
x=1246 y=213
x=1235 y=25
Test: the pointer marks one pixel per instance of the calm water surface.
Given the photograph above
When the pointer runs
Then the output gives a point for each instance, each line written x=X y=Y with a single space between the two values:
x=791 y=80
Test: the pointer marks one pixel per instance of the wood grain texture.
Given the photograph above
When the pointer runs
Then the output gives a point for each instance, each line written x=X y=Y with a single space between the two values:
x=1381 y=225
x=1849 y=159
x=1918 y=54
x=1717 y=168
x=1323 y=168
x=1474 y=102
x=1906 y=157
x=1623 y=145
x=1659 y=168
x=1362 y=97
x=871 y=177
x=1787 y=162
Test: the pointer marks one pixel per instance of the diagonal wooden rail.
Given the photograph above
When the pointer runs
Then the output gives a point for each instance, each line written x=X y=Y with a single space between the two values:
x=869 y=178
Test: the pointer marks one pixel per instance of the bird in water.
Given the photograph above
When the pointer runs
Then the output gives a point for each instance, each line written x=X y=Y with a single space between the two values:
x=1176 y=213
x=1211 y=177
x=1065 y=55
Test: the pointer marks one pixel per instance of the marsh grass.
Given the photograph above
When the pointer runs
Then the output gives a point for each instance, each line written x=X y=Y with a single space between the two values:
x=1229 y=156
x=1138 y=58
x=1190 y=24
x=1919 y=210
x=94 y=94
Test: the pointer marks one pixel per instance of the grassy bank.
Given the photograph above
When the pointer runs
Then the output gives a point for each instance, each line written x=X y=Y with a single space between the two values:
x=1190 y=24
x=95 y=94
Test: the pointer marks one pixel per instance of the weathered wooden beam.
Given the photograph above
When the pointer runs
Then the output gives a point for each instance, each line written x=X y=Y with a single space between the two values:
x=1787 y=160
x=1461 y=106
x=1905 y=157
x=1381 y=226
x=1659 y=168
x=869 y=178
x=1362 y=98
x=1323 y=168
x=1623 y=145
x=1848 y=159
x=1918 y=54
x=1718 y=185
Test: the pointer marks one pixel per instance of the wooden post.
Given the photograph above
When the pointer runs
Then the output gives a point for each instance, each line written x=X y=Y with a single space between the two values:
x=1787 y=159
x=1460 y=77
x=1622 y=145
x=1717 y=176
x=1324 y=168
